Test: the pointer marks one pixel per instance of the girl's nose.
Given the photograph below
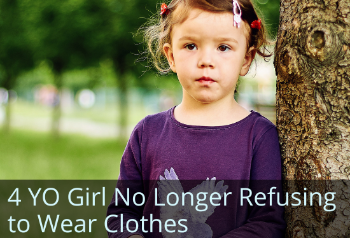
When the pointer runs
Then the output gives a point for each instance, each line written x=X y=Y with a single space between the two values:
x=206 y=60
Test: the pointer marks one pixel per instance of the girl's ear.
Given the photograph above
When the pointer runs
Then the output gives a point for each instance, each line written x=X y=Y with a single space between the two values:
x=248 y=58
x=170 y=56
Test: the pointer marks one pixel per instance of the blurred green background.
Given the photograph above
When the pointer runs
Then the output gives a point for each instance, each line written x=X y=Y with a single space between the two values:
x=74 y=83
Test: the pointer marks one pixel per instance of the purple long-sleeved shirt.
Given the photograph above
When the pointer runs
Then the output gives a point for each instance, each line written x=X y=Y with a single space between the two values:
x=245 y=151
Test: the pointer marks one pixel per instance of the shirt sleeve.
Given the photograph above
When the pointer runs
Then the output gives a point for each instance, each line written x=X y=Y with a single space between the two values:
x=129 y=182
x=264 y=221
x=266 y=162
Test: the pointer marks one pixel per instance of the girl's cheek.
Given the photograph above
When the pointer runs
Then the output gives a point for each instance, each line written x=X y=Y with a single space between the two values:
x=186 y=52
x=185 y=55
x=229 y=54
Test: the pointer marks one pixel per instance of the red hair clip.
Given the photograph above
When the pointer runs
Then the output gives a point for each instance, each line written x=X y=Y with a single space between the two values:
x=256 y=24
x=164 y=9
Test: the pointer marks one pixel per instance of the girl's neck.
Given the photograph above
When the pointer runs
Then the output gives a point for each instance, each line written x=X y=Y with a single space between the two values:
x=209 y=114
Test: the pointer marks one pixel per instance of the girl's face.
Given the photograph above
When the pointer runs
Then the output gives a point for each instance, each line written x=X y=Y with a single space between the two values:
x=208 y=54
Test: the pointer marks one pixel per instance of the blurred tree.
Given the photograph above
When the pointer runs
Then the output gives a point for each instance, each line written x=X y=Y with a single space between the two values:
x=15 y=51
x=80 y=79
x=123 y=48
x=73 y=34
x=68 y=34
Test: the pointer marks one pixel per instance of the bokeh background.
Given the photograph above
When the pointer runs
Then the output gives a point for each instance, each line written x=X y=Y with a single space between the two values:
x=74 y=82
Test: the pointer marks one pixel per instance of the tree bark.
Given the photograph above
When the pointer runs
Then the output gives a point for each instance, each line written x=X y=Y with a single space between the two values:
x=312 y=63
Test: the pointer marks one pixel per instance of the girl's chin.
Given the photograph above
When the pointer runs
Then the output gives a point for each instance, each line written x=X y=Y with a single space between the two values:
x=205 y=97
x=210 y=100
x=205 y=100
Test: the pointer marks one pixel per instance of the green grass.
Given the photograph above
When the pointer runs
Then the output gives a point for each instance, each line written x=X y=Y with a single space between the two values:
x=29 y=109
x=34 y=155
x=108 y=114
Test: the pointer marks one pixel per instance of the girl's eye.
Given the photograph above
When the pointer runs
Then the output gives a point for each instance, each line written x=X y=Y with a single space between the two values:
x=224 y=48
x=191 y=46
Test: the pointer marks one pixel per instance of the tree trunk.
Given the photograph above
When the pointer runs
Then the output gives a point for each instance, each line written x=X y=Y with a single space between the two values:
x=8 y=85
x=7 y=119
x=56 y=110
x=123 y=106
x=313 y=112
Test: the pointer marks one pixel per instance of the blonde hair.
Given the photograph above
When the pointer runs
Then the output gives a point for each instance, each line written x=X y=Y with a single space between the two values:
x=158 y=31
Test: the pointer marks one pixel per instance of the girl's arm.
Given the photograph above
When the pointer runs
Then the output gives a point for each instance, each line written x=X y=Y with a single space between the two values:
x=264 y=221
x=129 y=182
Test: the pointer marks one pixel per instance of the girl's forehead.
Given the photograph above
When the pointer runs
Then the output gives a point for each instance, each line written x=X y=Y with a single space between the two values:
x=208 y=23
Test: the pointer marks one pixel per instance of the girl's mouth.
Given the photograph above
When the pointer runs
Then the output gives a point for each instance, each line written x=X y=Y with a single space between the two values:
x=206 y=80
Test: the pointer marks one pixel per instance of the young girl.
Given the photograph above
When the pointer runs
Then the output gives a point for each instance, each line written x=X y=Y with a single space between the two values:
x=208 y=44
